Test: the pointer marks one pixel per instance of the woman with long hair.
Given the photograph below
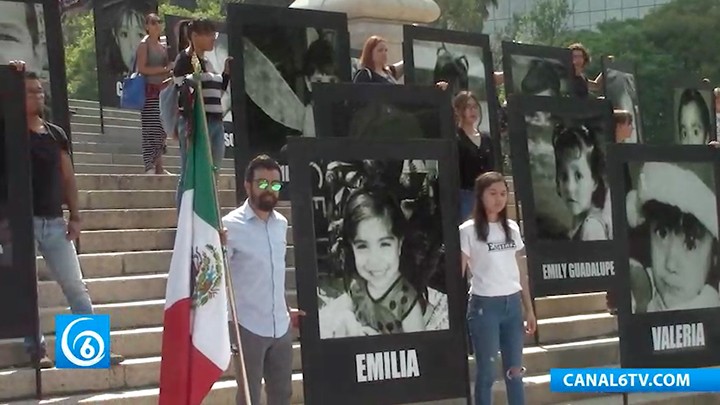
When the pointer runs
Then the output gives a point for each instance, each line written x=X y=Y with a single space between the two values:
x=494 y=252
x=153 y=63
x=475 y=149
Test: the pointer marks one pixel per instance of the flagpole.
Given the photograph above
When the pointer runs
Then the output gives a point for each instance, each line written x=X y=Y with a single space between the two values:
x=240 y=370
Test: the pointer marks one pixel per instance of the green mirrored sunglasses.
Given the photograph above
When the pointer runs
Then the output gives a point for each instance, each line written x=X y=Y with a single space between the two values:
x=275 y=185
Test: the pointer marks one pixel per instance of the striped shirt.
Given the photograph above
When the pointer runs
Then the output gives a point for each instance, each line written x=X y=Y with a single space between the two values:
x=213 y=84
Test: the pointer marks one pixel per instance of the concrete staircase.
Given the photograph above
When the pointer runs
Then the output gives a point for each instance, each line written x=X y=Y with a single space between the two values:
x=125 y=251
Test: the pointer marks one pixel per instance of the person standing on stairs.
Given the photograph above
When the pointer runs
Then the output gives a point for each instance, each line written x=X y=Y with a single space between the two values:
x=493 y=250
x=202 y=34
x=152 y=62
x=255 y=240
x=475 y=149
x=53 y=184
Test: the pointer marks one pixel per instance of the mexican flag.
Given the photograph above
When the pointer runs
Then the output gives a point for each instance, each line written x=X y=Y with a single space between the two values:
x=196 y=341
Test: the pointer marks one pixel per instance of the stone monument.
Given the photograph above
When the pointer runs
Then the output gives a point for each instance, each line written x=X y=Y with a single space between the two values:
x=377 y=17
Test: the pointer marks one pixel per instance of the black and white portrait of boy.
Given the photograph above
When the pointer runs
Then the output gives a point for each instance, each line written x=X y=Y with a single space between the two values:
x=673 y=211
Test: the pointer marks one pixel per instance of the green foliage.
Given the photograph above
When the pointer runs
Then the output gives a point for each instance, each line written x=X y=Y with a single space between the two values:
x=80 y=61
x=464 y=15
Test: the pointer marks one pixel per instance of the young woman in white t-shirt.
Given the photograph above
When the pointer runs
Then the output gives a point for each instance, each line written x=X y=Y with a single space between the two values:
x=495 y=254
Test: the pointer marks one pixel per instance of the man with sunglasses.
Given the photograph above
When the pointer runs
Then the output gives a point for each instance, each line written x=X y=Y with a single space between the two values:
x=255 y=239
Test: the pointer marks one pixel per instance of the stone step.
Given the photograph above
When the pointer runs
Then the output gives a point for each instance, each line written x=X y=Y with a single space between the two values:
x=98 y=146
x=131 y=159
x=137 y=168
x=140 y=182
x=109 y=120
x=134 y=240
x=113 y=133
x=683 y=398
x=147 y=343
x=141 y=199
x=84 y=110
x=136 y=374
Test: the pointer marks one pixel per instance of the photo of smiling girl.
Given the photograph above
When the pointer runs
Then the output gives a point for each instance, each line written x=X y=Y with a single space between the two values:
x=383 y=257
x=675 y=208
x=694 y=117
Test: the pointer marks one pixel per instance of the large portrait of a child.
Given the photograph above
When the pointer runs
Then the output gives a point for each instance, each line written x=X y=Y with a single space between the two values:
x=375 y=230
x=559 y=147
x=668 y=279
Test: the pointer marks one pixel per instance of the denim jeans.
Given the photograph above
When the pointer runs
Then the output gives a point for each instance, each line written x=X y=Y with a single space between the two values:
x=62 y=261
x=497 y=323
x=216 y=133
x=467 y=202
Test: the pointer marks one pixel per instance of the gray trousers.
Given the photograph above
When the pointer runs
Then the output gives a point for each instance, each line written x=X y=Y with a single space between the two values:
x=268 y=358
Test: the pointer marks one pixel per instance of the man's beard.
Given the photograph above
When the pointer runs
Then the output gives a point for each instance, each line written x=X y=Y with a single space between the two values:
x=265 y=201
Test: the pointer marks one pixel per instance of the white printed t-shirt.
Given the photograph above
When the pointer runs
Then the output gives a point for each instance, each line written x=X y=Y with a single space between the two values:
x=493 y=264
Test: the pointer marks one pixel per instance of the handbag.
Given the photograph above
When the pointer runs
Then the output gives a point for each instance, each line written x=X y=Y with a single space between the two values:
x=169 y=113
x=133 y=90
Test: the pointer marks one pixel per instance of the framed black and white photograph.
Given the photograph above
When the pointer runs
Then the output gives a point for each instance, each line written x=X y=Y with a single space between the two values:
x=379 y=279
x=464 y=61
x=621 y=88
x=693 y=112
x=537 y=70
x=279 y=54
x=383 y=112
x=559 y=147
x=119 y=28
x=31 y=31
x=667 y=254
x=18 y=277
x=177 y=40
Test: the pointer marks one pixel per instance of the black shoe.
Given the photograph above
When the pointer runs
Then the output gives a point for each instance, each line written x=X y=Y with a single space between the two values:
x=116 y=359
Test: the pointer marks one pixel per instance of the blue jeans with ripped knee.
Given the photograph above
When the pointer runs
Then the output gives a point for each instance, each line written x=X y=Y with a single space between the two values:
x=496 y=323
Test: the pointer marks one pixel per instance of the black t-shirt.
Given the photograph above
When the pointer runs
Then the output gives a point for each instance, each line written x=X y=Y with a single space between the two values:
x=474 y=160
x=47 y=184
x=580 y=87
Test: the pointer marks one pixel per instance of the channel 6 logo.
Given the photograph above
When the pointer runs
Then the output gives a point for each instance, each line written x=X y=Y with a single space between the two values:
x=82 y=341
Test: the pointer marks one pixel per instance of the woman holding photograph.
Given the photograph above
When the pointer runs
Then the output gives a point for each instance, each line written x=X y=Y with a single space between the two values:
x=153 y=63
x=580 y=182
x=475 y=149
x=493 y=250
x=384 y=292
x=675 y=207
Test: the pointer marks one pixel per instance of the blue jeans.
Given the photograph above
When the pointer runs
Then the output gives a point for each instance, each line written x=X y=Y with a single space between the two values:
x=62 y=261
x=216 y=133
x=467 y=202
x=497 y=323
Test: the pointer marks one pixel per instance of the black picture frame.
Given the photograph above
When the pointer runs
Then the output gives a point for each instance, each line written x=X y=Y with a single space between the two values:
x=611 y=85
x=412 y=33
x=172 y=33
x=58 y=111
x=585 y=266
x=561 y=57
x=18 y=275
x=705 y=88
x=329 y=369
x=243 y=17
x=637 y=348
x=336 y=105
x=114 y=59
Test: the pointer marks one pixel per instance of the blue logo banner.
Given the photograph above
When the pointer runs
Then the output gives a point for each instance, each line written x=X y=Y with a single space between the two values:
x=82 y=341
x=620 y=380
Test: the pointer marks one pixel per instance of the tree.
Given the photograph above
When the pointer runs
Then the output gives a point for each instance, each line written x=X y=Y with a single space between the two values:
x=464 y=15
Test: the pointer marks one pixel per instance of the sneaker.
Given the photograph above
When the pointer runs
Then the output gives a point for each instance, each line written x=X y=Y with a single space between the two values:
x=116 y=359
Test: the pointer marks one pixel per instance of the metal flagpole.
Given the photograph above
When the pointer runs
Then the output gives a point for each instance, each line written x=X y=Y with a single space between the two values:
x=240 y=373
